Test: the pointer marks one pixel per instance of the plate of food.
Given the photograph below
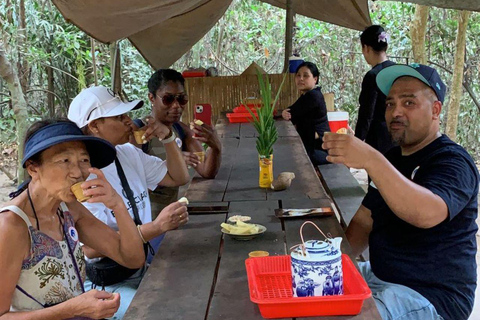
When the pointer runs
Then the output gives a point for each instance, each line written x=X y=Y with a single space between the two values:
x=243 y=231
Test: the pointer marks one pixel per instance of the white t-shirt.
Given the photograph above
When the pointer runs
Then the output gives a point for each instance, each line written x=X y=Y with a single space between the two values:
x=142 y=171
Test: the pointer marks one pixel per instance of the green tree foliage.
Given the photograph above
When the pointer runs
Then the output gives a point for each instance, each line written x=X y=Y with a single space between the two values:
x=249 y=31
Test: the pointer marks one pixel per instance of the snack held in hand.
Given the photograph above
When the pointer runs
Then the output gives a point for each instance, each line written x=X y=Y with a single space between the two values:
x=200 y=155
x=198 y=122
x=183 y=200
x=241 y=228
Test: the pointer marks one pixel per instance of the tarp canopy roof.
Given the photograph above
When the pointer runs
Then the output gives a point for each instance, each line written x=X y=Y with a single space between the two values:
x=163 y=30
x=470 y=5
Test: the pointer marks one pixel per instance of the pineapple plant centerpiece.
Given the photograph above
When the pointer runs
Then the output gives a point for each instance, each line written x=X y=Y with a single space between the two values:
x=267 y=131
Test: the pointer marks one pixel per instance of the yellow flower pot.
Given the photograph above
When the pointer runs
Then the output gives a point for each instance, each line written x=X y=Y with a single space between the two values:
x=265 y=177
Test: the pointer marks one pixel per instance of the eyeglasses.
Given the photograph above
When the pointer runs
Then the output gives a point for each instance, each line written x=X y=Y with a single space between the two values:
x=169 y=99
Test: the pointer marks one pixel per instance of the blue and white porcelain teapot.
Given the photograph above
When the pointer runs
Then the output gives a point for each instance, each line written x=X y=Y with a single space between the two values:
x=317 y=266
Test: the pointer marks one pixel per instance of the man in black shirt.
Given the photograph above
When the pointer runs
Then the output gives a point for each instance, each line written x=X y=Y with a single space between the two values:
x=418 y=216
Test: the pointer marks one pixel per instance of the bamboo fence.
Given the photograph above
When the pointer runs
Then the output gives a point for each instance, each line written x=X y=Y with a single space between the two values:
x=225 y=93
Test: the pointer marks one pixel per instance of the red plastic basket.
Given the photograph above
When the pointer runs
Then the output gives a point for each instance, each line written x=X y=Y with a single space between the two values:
x=239 y=117
x=243 y=109
x=270 y=284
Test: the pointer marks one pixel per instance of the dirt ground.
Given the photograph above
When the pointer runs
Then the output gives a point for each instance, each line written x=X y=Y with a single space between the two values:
x=6 y=186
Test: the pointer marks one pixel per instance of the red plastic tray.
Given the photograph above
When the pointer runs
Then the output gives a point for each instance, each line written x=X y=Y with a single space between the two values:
x=239 y=117
x=270 y=284
x=242 y=109
x=193 y=74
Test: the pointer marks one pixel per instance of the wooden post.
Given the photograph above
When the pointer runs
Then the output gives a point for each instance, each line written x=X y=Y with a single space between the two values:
x=456 y=86
x=288 y=34
x=115 y=68
x=94 y=63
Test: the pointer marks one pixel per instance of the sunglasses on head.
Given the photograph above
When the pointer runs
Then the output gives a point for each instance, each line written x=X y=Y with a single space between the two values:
x=169 y=99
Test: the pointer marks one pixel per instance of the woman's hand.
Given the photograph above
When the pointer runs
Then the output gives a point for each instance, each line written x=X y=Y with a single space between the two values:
x=286 y=114
x=95 y=304
x=191 y=159
x=155 y=129
x=172 y=217
x=206 y=134
x=101 y=191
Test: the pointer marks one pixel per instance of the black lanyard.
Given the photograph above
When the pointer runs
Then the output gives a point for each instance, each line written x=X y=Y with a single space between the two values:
x=131 y=199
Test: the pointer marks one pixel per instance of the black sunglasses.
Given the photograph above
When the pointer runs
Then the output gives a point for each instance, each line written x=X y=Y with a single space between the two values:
x=169 y=99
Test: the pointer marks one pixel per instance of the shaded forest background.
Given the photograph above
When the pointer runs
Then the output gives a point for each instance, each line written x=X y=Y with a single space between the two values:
x=54 y=58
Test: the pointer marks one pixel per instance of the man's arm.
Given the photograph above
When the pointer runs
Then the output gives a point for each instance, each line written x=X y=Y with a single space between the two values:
x=359 y=229
x=409 y=201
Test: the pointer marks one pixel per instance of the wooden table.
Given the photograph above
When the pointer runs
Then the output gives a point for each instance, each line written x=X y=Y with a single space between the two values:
x=200 y=274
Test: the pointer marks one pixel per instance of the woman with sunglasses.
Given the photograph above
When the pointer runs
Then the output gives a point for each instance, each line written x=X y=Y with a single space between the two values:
x=42 y=267
x=168 y=98
x=101 y=114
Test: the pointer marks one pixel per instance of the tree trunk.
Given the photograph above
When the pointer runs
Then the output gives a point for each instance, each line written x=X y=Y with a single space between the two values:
x=418 y=31
x=288 y=34
x=9 y=74
x=456 y=86
x=22 y=63
x=51 y=89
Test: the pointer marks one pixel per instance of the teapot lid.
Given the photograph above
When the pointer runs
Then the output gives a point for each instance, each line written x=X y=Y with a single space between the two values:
x=317 y=245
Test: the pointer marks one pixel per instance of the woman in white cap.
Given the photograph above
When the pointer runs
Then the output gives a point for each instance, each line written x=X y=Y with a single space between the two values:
x=98 y=112
x=42 y=268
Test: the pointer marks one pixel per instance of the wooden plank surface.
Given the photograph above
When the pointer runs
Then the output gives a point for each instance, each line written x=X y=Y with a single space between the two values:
x=177 y=284
x=344 y=189
x=243 y=182
x=231 y=299
x=289 y=155
x=227 y=130
x=285 y=129
x=331 y=227
x=214 y=189
x=247 y=130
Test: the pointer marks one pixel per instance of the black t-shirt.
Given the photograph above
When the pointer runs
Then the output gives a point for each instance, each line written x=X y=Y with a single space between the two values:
x=438 y=262
x=309 y=115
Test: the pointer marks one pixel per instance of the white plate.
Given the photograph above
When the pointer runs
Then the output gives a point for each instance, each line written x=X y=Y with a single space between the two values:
x=245 y=237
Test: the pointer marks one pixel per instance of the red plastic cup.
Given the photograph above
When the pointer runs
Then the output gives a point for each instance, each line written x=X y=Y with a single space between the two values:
x=338 y=121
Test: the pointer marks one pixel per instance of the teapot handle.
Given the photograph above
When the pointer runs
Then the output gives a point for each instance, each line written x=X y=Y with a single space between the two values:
x=302 y=245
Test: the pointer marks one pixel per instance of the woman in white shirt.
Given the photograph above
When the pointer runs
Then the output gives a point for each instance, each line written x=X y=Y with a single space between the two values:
x=98 y=112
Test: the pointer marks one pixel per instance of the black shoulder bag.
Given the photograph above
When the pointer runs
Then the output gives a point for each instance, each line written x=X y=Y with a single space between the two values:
x=106 y=272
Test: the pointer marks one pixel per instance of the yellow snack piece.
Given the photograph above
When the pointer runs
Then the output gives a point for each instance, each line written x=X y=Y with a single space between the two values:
x=198 y=122
x=183 y=200
x=240 y=228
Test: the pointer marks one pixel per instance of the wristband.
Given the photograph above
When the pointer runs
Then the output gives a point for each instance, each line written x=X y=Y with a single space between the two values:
x=140 y=233
x=170 y=138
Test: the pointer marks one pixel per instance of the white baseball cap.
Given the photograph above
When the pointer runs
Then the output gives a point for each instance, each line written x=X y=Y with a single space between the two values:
x=98 y=102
